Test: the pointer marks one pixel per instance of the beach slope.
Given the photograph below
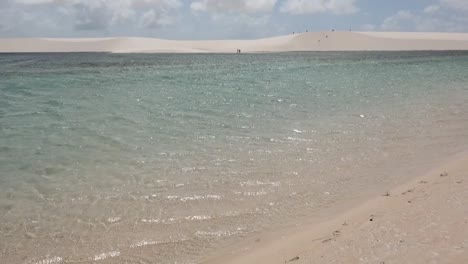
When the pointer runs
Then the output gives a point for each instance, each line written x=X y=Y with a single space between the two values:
x=423 y=221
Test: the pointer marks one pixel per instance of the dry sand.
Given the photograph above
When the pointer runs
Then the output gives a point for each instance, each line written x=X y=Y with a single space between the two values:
x=424 y=221
x=313 y=41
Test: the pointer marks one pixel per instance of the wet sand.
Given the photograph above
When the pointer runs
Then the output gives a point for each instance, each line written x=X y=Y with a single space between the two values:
x=423 y=221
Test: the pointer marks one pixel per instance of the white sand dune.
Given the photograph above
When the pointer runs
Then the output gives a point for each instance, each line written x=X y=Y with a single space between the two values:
x=313 y=41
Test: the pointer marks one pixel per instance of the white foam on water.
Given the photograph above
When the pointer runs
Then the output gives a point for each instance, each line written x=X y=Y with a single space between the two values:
x=147 y=197
x=301 y=139
x=81 y=198
x=198 y=217
x=172 y=220
x=103 y=256
x=160 y=181
x=200 y=197
x=220 y=233
x=259 y=183
x=50 y=260
x=157 y=221
x=113 y=219
x=260 y=193
x=214 y=234
x=207 y=137
x=188 y=169
x=143 y=243
x=213 y=196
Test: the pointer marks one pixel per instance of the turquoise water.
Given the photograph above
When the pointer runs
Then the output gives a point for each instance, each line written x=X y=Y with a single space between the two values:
x=166 y=158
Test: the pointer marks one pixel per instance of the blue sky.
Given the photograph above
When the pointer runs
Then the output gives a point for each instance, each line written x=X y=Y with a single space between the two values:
x=222 y=19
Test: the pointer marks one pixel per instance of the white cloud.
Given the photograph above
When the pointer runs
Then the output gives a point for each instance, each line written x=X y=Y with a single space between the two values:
x=445 y=15
x=211 y=18
x=34 y=2
x=368 y=27
x=241 y=25
x=435 y=21
x=90 y=14
x=242 y=6
x=455 y=4
x=397 y=21
x=236 y=18
x=153 y=19
x=100 y=14
x=431 y=9
x=319 y=6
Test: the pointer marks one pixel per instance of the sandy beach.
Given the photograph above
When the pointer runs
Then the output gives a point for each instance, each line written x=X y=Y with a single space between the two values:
x=311 y=41
x=423 y=221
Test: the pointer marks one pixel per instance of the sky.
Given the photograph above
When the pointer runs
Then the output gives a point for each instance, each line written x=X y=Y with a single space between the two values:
x=223 y=19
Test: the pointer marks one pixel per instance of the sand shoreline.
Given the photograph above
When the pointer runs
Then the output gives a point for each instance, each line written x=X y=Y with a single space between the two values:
x=422 y=221
x=311 y=41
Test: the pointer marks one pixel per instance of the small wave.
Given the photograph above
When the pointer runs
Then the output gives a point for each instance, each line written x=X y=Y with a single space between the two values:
x=113 y=219
x=301 y=139
x=53 y=260
x=204 y=197
x=259 y=183
x=148 y=197
x=260 y=193
x=173 y=220
x=207 y=137
x=195 y=197
x=221 y=233
x=143 y=243
x=103 y=256
x=198 y=217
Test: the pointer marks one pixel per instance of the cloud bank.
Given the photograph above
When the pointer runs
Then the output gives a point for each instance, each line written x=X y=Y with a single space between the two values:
x=220 y=18
x=442 y=15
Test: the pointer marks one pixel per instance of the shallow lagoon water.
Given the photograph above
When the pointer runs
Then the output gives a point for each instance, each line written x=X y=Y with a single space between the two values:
x=166 y=158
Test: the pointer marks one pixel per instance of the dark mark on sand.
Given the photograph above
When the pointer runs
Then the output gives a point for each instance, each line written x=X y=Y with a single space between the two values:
x=293 y=259
x=408 y=191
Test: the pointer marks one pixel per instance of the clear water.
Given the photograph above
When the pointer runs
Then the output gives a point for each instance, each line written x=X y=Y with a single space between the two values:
x=167 y=158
